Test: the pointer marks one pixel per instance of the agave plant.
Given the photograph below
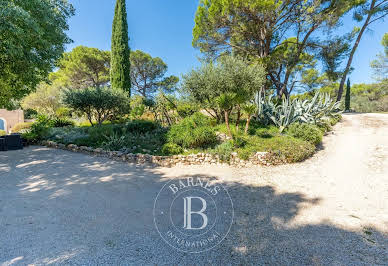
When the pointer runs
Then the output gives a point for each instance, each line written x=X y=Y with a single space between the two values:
x=285 y=114
x=319 y=107
x=265 y=105
x=312 y=111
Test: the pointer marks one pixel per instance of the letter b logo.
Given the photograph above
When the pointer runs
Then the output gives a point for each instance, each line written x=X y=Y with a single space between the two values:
x=188 y=212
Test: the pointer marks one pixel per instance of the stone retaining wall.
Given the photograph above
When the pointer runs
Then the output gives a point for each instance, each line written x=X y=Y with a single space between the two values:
x=260 y=158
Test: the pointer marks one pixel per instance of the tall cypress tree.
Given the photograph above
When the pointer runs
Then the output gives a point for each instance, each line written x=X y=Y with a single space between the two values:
x=347 y=97
x=120 y=65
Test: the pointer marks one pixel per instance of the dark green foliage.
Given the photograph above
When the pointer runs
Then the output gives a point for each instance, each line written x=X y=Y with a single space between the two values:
x=171 y=149
x=30 y=114
x=97 y=103
x=148 y=74
x=120 y=65
x=347 y=96
x=84 y=67
x=114 y=142
x=141 y=126
x=62 y=122
x=186 y=109
x=136 y=136
x=239 y=141
x=32 y=38
x=195 y=131
x=307 y=132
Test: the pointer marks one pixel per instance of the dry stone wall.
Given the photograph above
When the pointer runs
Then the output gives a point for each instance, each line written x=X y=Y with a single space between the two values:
x=260 y=158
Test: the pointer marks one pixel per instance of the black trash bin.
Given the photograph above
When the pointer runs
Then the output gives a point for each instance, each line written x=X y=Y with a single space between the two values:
x=3 y=144
x=14 y=142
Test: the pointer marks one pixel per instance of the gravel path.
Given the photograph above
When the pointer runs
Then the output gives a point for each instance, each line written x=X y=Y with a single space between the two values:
x=58 y=207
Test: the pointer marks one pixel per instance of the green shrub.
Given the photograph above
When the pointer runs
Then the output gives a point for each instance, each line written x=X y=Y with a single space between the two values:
x=284 y=149
x=224 y=150
x=195 y=131
x=22 y=127
x=324 y=125
x=62 y=122
x=335 y=119
x=186 y=109
x=265 y=131
x=67 y=135
x=114 y=142
x=39 y=129
x=171 y=149
x=98 y=135
x=137 y=106
x=307 y=132
x=2 y=133
x=238 y=141
x=141 y=126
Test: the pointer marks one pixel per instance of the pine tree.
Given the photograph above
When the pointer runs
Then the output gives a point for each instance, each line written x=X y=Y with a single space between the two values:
x=120 y=65
x=347 y=97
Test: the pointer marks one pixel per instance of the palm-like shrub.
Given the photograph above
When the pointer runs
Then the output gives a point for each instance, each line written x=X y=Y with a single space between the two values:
x=226 y=102
x=249 y=110
x=114 y=142
x=195 y=131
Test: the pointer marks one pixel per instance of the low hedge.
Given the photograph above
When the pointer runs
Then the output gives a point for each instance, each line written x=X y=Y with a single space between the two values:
x=307 y=132
x=285 y=149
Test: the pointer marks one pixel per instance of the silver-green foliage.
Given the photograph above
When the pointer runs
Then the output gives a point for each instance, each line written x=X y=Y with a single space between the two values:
x=114 y=142
x=312 y=111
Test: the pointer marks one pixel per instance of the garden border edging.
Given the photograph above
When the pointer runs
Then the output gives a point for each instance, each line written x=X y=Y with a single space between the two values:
x=260 y=158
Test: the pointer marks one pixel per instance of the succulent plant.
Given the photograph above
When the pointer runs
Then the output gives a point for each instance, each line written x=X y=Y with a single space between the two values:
x=311 y=111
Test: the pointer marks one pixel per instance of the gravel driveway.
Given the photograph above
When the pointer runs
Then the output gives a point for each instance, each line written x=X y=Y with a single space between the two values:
x=58 y=207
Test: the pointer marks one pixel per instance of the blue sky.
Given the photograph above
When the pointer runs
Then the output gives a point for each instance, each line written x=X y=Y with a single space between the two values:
x=163 y=28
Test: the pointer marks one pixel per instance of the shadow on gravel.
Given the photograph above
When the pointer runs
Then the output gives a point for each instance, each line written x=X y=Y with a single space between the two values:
x=68 y=208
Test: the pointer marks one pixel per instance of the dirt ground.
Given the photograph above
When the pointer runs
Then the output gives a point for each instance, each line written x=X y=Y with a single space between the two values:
x=58 y=207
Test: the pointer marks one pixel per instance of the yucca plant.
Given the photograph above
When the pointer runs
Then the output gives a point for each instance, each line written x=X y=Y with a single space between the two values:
x=114 y=142
x=226 y=102
x=249 y=110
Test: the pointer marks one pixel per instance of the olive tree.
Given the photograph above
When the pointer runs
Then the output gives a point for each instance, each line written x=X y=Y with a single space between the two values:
x=98 y=104
x=224 y=86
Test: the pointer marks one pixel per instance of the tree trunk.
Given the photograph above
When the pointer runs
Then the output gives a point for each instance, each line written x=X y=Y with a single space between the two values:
x=227 y=123
x=247 y=124
x=349 y=64
x=238 y=118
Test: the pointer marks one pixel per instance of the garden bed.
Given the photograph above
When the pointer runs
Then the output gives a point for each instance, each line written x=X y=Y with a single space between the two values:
x=260 y=158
